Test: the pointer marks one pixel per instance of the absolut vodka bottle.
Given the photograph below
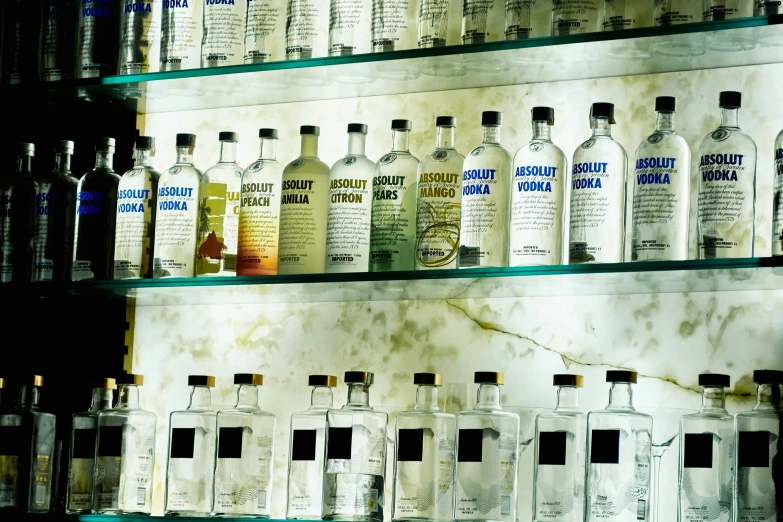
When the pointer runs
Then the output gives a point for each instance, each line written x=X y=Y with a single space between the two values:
x=393 y=25
x=306 y=451
x=727 y=186
x=433 y=22
x=675 y=12
x=181 y=34
x=767 y=8
x=523 y=19
x=137 y=199
x=57 y=40
x=307 y=29
x=727 y=9
x=349 y=27
x=191 y=455
x=661 y=198
x=17 y=216
x=265 y=31
x=139 y=32
x=485 y=199
x=483 y=21
x=706 y=468
x=223 y=42
x=393 y=232
x=439 y=206
x=598 y=193
x=777 y=204
x=619 y=456
x=21 y=21
x=259 y=212
x=575 y=16
x=424 y=456
x=626 y=14
x=97 y=38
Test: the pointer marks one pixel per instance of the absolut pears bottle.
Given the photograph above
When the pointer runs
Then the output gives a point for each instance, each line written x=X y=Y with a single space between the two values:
x=675 y=12
x=180 y=35
x=224 y=33
x=97 y=38
x=424 y=456
x=265 y=31
x=598 y=193
x=139 y=33
x=661 y=198
x=17 y=214
x=485 y=199
x=307 y=29
x=349 y=27
x=619 y=456
x=706 y=468
x=433 y=21
x=307 y=449
x=559 y=462
x=576 y=16
x=727 y=186
x=393 y=25
x=777 y=204
x=57 y=40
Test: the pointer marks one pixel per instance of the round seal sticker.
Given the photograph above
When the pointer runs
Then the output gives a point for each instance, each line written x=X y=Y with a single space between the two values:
x=478 y=151
x=536 y=147
x=388 y=158
x=655 y=138
x=721 y=134
x=589 y=143
x=349 y=160
x=255 y=167
x=440 y=155
x=175 y=170
x=296 y=164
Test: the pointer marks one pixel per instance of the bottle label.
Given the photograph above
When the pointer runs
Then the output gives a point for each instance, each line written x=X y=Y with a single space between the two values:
x=348 y=222
x=353 y=494
x=244 y=491
x=393 y=233
x=259 y=227
x=11 y=449
x=264 y=30
x=224 y=31
x=138 y=35
x=175 y=231
x=303 y=212
x=677 y=12
x=619 y=15
x=349 y=25
x=98 y=23
x=307 y=23
x=575 y=16
x=56 y=45
x=482 y=20
x=132 y=244
x=777 y=218
x=189 y=481
x=755 y=481
x=218 y=229
x=181 y=30
x=393 y=25
x=425 y=471
x=81 y=270
x=433 y=23
x=486 y=474
x=438 y=219
x=305 y=487
x=484 y=232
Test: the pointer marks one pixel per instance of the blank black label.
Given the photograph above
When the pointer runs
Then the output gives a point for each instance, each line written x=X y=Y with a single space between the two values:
x=10 y=440
x=697 y=449
x=410 y=445
x=304 y=445
x=753 y=449
x=552 y=448
x=469 y=449
x=182 y=442
x=110 y=441
x=230 y=443
x=84 y=443
x=605 y=447
x=339 y=446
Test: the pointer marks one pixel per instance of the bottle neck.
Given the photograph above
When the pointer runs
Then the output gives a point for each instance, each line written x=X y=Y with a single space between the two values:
x=29 y=397
x=664 y=122
x=729 y=117
x=491 y=134
x=129 y=396
x=185 y=155
x=446 y=137
x=488 y=397
x=713 y=398
x=427 y=398
x=101 y=399
x=542 y=131
x=358 y=396
x=620 y=396
x=601 y=127
x=400 y=141
x=62 y=162
x=247 y=396
x=309 y=146
x=268 y=149
x=768 y=397
x=567 y=398
x=143 y=158
x=200 y=398
x=321 y=398
x=24 y=164
x=104 y=160
x=356 y=143
x=228 y=152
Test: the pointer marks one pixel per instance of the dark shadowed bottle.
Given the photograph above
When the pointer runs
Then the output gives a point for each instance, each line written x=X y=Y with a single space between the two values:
x=17 y=206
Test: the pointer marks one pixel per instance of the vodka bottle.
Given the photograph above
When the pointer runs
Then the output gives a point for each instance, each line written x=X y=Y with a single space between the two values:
x=17 y=216
x=483 y=21
x=355 y=456
x=191 y=455
x=393 y=25
x=662 y=191
x=706 y=468
x=433 y=22
x=439 y=206
x=139 y=32
x=265 y=31
x=575 y=16
x=306 y=450
x=626 y=14
x=218 y=216
x=96 y=217
x=303 y=209
x=393 y=233
x=523 y=19
x=350 y=207
x=675 y=12
x=181 y=34
x=224 y=31
x=307 y=29
x=759 y=480
x=57 y=40
x=97 y=38
x=727 y=9
x=21 y=20
x=767 y=8
x=81 y=459
x=245 y=454
x=777 y=210
x=538 y=197
x=486 y=180
x=619 y=456
x=598 y=193
x=176 y=220
x=136 y=207
x=125 y=459
x=559 y=462
x=424 y=456
x=349 y=27
x=727 y=186
x=259 y=212
x=487 y=446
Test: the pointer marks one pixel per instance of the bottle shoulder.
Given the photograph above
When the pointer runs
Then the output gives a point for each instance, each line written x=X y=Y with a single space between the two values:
x=306 y=165
x=722 y=415
x=244 y=412
x=567 y=415
x=727 y=140
x=604 y=414
x=538 y=151
x=263 y=169
x=759 y=414
x=475 y=413
x=663 y=143
x=125 y=413
x=137 y=174
x=395 y=163
x=598 y=148
x=181 y=174
x=57 y=179
x=228 y=173
x=98 y=178
x=442 y=160
x=425 y=414
x=352 y=166
x=488 y=150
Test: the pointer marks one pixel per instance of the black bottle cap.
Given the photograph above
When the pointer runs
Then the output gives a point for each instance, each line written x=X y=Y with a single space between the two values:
x=428 y=379
x=731 y=99
x=201 y=380
x=546 y=114
x=105 y=144
x=228 y=136
x=446 y=121
x=357 y=127
x=309 y=129
x=366 y=378
x=488 y=378
x=131 y=378
x=768 y=377
x=145 y=143
x=491 y=118
x=621 y=376
x=714 y=379
x=186 y=140
x=249 y=378
x=26 y=149
x=401 y=125
x=603 y=110
x=665 y=104
x=567 y=379
x=267 y=133
x=64 y=147
x=322 y=380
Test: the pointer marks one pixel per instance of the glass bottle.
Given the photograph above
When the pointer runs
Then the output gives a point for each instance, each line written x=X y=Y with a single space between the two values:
x=307 y=29
x=675 y=12
x=176 y=220
x=137 y=197
x=350 y=207
x=662 y=191
x=191 y=455
x=265 y=31
x=259 y=212
x=306 y=451
x=181 y=31
x=97 y=38
x=627 y=14
x=245 y=454
x=727 y=169
x=706 y=470
x=303 y=209
x=21 y=21
x=224 y=34
x=487 y=446
x=575 y=16
x=17 y=217
x=350 y=27
x=96 y=217
x=483 y=21
x=139 y=27
x=81 y=459
x=57 y=40
x=125 y=458
x=598 y=193
x=393 y=25
x=424 y=456
x=218 y=220
x=559 y=462
x=525 y=19
x=433 y=21
x=619 y=456
x=439 y=206
x=393 y=230
x=727 y=9
x=777 y=204
x=767 y=8
x=486 y=180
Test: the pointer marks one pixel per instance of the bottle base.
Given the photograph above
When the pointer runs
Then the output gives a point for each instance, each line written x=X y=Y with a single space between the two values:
x=239 y=515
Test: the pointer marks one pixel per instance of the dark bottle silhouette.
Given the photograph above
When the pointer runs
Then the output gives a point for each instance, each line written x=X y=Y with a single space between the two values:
x=17 y=208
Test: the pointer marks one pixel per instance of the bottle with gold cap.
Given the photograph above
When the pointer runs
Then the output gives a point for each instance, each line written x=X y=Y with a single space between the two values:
x=487 y=448
x=619 y=456
x=245 y=454
x=191 y=455
x=81 y=457
x=354 y=475
x=306 y=451
x=559 y=463
x=125 y=456
x=424 y=456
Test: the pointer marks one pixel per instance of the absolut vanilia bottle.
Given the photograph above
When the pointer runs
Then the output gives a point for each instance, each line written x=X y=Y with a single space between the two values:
x=139 y=33
x=307 y=29
x=675 y=12
x=485 y=199
x=619 y=456
x=393 y=25
x=727 y=9
x=265 y=31
x=57 y=40
x=424 y=456
x=349 y=27
x=245 y=454
x=81 y=459
x=181 y=34
x=624 y=14
x=191 y=456
x=727 y=186
x=706 y=468
x=662 y=195
x=307 y=449
x=598 y=193
x=575 y=16
x=224 y=33
x=777 y=203
x=483 y=20
x=487 y=446
x=17 y=216
x=433 y=21
x=97 y=38
x=355 y=455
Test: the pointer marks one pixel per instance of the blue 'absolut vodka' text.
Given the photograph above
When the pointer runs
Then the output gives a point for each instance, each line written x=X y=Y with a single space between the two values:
x=141 y=197
x=174 y=192
x=720 y=167
x=591 y=167
x=477 y=175
x=537 y=171
x=655 y=178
